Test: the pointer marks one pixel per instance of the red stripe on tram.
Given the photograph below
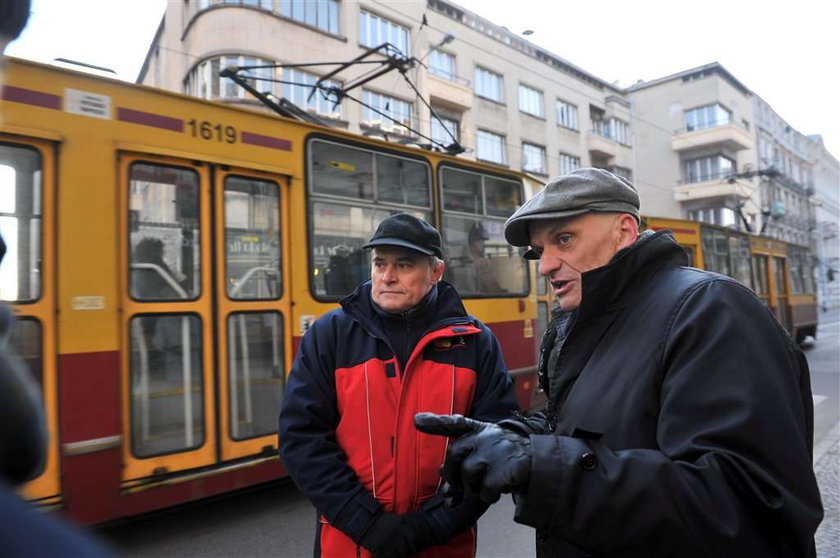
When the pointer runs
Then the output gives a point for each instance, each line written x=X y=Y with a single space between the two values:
x=150 y=119
x=30 y=97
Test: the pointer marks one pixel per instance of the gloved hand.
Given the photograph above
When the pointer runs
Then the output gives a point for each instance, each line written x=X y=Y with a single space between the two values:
x=386 y=537
x=420 y=531
x=485 y=458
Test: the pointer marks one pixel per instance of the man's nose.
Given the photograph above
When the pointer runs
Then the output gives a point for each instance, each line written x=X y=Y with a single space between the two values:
x=389 y=274
x=548 y=264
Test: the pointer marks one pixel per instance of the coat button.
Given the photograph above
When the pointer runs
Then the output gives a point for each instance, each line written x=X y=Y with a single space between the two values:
x=552 y=423
x=589 y=461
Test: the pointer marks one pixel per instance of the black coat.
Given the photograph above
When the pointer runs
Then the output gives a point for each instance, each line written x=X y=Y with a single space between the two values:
x=679 y=422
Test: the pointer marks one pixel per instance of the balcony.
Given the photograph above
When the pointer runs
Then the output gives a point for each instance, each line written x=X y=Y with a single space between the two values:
x=715 y=188
x=727 y=136
x=447 y=93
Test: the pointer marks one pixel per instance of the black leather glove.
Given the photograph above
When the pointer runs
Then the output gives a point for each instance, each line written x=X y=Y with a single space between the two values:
x=420 y=531
x=386 y=537
x=485 y=458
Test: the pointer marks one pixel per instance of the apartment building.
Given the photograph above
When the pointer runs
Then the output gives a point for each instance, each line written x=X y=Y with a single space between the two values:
x=698 y=144
x=826 y=201
x=504 y=99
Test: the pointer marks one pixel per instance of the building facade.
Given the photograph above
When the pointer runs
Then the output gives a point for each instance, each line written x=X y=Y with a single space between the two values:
x=826 y=200
x=698 y=144
x=504 y=99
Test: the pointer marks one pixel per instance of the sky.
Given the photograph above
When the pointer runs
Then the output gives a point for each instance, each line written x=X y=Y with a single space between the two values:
x=786 y=52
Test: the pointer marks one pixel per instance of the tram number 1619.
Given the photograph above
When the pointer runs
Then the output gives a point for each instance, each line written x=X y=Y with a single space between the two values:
x=210 y=131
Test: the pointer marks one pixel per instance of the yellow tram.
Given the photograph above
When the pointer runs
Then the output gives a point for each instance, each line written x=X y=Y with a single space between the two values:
x=166 y=254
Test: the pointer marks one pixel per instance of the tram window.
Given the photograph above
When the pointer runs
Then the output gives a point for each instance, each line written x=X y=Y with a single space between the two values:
x=255 y=373
x=542 y=324
x=165 y=375
x=402 y=181
x=689 y=251
x=715 y=251
x=461 y=191
x=479 y=261
x=165 y=233
x=25 y=342
x=20 y=223
x=338 y=234
x=542 y=286
x=760 y=285
x=739 y=251
x=252 y=238
x=503 y=196
x=341 y=171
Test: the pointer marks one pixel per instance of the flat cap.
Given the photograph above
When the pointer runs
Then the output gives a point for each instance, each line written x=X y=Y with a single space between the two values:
x=576 y=193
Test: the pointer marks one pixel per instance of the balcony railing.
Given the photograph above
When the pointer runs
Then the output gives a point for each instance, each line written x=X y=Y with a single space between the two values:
x=708 y=177
x=703 y=125
x=607 y=135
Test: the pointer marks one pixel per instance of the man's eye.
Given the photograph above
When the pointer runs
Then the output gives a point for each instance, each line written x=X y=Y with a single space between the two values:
x=564 y=238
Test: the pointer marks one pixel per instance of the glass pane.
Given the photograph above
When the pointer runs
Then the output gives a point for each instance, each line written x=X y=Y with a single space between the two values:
x=542 y=286
x=339 y=232
x=255 y=372
x=402 y=181
x=25 y=343
x=503 y=196
x=542 y=323
x=779 y=267
x=252 y=238
x=479 y=261
x=461 y=191
x=341 y=171
x=165 y=235
x=167 y=412
x=20 y=223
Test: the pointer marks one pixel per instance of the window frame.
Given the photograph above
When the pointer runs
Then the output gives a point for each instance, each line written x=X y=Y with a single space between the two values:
x=531 y=96
x=503 y=145
x=311 y=197
x=497 y=80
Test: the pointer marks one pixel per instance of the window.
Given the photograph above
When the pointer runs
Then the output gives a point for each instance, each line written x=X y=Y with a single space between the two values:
x=20 y=223
x=708 y=168
x=394 y=114
x=727 y=253
x=568 y=163
x=442 y=64
x=353 y=189
x=300 y=88
x=622 y=172
x=374 y=31
x=490 y=147
x=488 y=84
x=567 y=115
x=722 y=216
x=479 y=261
x=204 y=81
x=530 y=101
x=444 y=130
x=255 y=372
x=252 y=238
x=533 y=158
x=322 y=14
x=618 y=131
x=165 y=251
x=707 y=116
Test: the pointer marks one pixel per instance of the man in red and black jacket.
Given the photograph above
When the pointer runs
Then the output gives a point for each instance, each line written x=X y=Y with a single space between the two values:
x=402 y=343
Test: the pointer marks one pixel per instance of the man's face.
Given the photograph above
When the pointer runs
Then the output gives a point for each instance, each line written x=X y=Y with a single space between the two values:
x=570 y=247
x=401 y=278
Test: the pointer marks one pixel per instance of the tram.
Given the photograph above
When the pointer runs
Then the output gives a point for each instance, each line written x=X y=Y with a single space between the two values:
x=166 y=255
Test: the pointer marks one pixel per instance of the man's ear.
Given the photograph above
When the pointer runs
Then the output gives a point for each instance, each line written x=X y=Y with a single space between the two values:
x=437 y=272
x=628 y=230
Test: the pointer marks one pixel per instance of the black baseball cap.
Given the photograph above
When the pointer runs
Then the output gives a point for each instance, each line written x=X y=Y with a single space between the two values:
x=406 y=230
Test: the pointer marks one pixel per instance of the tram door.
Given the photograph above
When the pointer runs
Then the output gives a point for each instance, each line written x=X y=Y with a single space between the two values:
x=204 y=330
x=27 y=281
x=780 y=291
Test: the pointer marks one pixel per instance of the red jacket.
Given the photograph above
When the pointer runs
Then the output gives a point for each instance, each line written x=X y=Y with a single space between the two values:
x=347 y=435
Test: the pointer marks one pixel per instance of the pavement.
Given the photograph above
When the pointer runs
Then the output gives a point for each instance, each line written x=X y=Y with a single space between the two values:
x=827 y=468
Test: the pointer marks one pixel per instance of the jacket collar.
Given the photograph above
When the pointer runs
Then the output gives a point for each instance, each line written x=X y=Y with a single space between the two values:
x=605 y=289
x=441 y=307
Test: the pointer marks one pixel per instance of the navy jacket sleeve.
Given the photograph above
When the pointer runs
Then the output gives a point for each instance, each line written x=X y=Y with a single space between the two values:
x=732 y=475
x=308 y=446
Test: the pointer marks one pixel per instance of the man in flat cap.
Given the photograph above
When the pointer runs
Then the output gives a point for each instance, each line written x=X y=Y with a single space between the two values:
x=679 y=419
x=402 y=343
